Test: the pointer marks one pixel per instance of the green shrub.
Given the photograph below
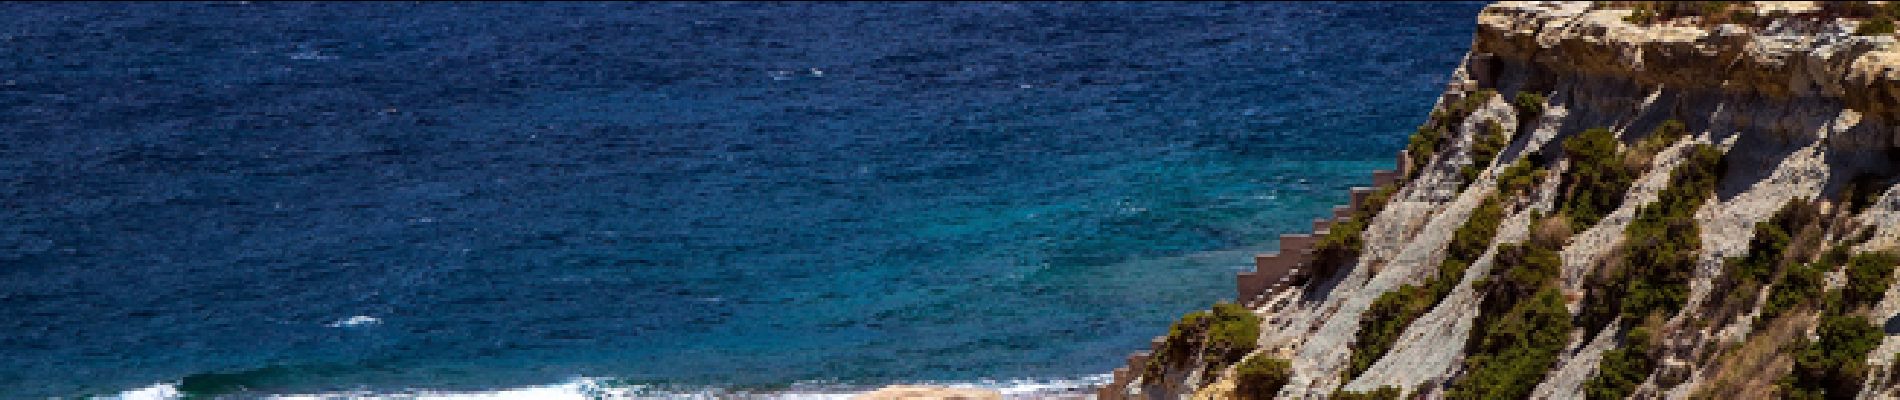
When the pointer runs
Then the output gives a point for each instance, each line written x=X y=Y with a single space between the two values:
x=1596 y=181
x=1439 y=129
x=1868 y=276
x=1520 y=271
x=1389 y=314
x=1471 y=239
x=1879 y=25
x=1221 y=336
x=1833 y=366
x=1768 y=248
x=1235 y=328
x=1484 y=148
x=1799 y=285
x=1473 y=101
x=1340 y=245
x=1659 y=248
x=1529 y=104
x=1622 y=369
x=1382 y=323
x=1423 y=145
x=1509 y=354
x=1664 y=134
x=1520 y=178
x=1764 y=253
x=1522 y=325
x=1772 y=252
x=1345 y=239
x=1261 y=377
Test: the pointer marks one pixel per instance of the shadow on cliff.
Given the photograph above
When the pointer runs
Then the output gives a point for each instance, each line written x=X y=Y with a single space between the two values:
x=1859 y=155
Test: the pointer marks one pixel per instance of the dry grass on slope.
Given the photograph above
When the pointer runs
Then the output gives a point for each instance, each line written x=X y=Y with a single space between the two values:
x=1751 y=370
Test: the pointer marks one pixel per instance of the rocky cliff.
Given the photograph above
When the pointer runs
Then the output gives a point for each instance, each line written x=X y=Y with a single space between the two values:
x=1610 y=200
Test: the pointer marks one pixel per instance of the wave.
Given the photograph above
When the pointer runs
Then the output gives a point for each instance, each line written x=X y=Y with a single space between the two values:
x=606 y=388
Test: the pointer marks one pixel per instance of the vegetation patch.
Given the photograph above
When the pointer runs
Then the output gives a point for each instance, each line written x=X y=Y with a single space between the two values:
x=1510 y=353
x=1665 y=134
x=1484 y=149
x=1388 y=315
x=1749 y=371
x=1650 y=275
x=1261 y=378
x=1520 y=178
x=1778 y=246
x=1596 y=180
x=1833 y=366
x=1657 y=257
x=1529 y=104
x=1344 y=240
x=1622 y=368
x=1439 y=129
x=1880 y=25
x=1868 y=276
x=1876 y=20
x=1706 y=13
x=1215 y=338
x=1522 y=325
x=1800 y=285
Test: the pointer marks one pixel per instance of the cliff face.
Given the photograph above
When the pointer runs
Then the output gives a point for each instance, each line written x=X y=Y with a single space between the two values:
x=1610 y=200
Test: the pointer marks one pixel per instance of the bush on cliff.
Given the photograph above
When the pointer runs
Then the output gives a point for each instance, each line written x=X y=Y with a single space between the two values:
x=1441 y=128
x=1520 y=179
x=1522 y=324
x=1708 y=13
x=1423 y=145
x=1529 y=104
x=1216 y=337
x=1772 y=254
x=1520 y=272
x=1510 y=353
x=1345 y=239
x=1471 y=103
x=1658 y=253
x=1868 y=276
x=1799 y=285
x=1833 y=366
x=1596 y=180
x=1484 y=148
x=1389 y=314
x=1622 y=369
x=1382 y=322
x=1472 y=238
x=1768 y=249
x=1879 y=25
x=1261 y=377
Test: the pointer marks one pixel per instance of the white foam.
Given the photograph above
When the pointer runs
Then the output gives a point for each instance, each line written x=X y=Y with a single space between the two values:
x=356 y=321
x=162 y=391
x=593 y=388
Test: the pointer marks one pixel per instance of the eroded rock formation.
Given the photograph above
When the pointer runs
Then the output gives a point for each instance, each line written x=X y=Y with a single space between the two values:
x=1624 y=199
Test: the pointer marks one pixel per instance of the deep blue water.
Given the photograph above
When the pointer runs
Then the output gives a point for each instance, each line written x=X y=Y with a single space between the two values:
x=700 y=195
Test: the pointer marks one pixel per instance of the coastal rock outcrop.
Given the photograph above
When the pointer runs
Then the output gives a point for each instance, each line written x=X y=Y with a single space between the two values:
x=1609 y=200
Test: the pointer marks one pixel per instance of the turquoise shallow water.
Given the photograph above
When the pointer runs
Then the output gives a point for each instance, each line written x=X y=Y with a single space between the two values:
x=685 y=195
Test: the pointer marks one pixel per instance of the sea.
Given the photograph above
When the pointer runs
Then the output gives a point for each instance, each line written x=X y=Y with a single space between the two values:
x=415 y=199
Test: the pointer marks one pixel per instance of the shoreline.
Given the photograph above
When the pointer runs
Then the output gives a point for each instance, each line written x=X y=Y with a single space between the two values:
x=590 y=388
